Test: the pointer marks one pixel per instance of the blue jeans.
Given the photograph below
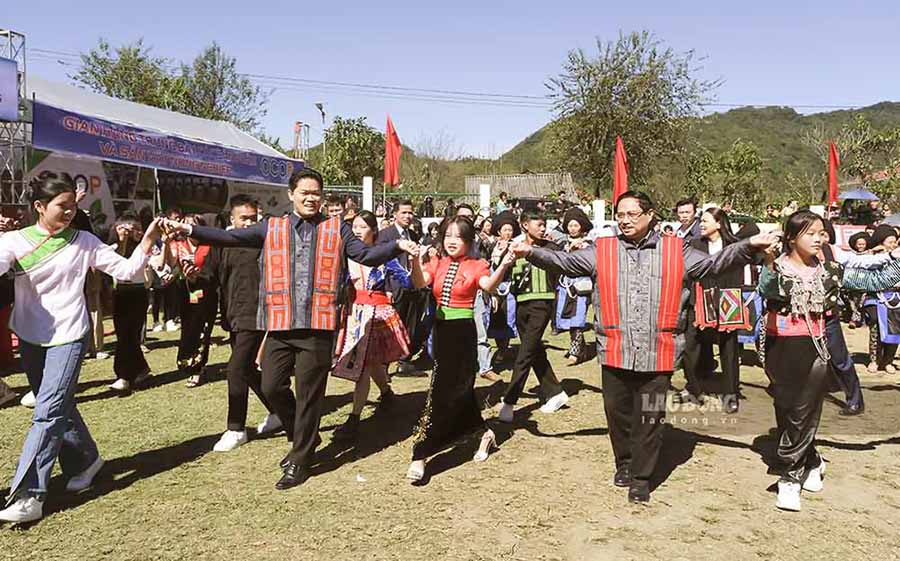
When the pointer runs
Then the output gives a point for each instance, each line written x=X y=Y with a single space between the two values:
x=484 y=347
x=57 y=428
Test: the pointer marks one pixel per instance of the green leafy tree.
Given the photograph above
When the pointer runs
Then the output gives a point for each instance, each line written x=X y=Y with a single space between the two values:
x=215 y=90
x=210 y=87
x=634 y=88
x=351 y=150
x=732 y=175
x=131 y=72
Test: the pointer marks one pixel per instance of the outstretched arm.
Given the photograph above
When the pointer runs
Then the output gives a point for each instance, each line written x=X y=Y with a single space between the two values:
x=254 y=236
x=581 y=263
x=873 y=280
x=698 y=264
x=490 y=283
x=368 y=255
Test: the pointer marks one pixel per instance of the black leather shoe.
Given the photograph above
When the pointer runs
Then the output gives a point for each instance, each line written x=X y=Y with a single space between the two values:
x=852 y=410
x=732 y=406
x=294 y=475
x=639 y=493
x=284 y=463
x=622 y=477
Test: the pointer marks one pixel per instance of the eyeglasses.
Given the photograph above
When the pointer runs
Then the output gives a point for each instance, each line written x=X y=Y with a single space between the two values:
x=629 y=216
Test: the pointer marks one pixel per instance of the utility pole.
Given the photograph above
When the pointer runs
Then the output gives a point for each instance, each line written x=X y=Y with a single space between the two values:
x=320 y=105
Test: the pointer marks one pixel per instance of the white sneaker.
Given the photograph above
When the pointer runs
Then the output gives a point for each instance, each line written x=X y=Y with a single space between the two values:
x=28 y=400
x=120 y=385
x=230 y=440
x=270 y=424
x=506 y=413
x=102 y=355
x=84 y=479
x=555 y=403
x=813 y=482
x=171 y=325
x=25 y=509
x=158 y=328
x=788 y=496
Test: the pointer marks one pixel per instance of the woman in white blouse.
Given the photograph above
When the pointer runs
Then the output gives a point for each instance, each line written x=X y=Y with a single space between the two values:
x=50 y=260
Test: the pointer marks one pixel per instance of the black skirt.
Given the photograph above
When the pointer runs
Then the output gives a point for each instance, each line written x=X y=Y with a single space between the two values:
x=451 y=409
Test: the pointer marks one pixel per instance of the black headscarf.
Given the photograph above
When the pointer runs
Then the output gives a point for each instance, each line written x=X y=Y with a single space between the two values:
x=579 y=216
x=880 y=234
x=859 y=236
x=505 y=217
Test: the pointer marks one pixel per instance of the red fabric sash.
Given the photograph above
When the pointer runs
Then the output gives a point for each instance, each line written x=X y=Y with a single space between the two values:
x=372 y=298
x=279 y=275
x=608 y=289
x=326 y=275
x=200 y=256
x=669 y=302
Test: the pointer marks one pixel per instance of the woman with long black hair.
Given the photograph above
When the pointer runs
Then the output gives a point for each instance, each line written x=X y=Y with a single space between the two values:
x=373 y=335
x=801 y=293
x=716 y=314
x=451 y=409
x=50 y=317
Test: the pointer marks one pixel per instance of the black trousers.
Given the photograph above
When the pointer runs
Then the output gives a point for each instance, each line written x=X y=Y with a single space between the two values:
x=157 y=301
x=129 y=315
x=697 y=358
x=635 y=404
x=197 y=323
x=842 y=363
x=532 y=318
x=801 y=380
x=305 y=354
x=174 y=299
x=243 y=376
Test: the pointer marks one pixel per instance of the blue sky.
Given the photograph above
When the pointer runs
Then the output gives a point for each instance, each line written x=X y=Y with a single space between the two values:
x=774 y=53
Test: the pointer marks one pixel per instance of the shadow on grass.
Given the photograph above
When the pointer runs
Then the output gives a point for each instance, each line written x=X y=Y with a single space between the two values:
x=388 y=427
x=131 y=469
x=214 y=373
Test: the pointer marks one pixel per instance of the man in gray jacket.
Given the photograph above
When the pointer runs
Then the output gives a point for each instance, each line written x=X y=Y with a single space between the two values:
x=640 y=284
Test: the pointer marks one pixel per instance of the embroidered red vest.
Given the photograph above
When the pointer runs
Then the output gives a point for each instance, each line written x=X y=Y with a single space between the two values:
x=280 y=277
x=665 y=304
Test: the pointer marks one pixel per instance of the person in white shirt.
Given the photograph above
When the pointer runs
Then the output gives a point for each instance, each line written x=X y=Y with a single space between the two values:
x=50 y=317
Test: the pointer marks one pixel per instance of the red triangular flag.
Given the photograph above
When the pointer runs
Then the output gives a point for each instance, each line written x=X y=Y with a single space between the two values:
x=392 y=151
x=620 y=173
x=833 y=163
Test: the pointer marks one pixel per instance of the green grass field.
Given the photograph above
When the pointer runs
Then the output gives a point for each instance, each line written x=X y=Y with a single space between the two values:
x=546 y=494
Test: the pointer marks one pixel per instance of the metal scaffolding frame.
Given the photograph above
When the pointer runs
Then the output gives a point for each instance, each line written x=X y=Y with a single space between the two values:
x=15 y=136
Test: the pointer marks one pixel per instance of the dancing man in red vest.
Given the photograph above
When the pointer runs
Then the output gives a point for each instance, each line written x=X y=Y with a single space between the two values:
x=301 y=272
x=639 y=279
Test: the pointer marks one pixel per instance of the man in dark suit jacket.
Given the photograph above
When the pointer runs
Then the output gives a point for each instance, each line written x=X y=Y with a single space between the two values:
x=403 y=219
x=405 y=301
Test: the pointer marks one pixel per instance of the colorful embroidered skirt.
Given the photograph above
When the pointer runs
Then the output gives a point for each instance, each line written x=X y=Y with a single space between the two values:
x=373 y=335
